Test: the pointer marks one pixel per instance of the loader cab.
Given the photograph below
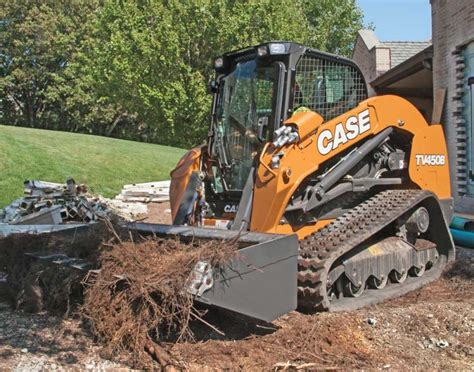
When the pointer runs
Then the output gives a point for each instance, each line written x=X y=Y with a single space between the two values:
x=256 y=89
x=247 y=108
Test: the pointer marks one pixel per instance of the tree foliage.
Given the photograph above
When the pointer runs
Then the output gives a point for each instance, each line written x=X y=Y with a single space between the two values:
x=139 y=69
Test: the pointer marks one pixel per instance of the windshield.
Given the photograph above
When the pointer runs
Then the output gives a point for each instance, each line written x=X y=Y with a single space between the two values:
x=244 y=111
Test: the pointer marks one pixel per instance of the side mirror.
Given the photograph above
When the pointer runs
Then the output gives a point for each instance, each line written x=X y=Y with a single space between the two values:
x=262 y=125
x=213 y=87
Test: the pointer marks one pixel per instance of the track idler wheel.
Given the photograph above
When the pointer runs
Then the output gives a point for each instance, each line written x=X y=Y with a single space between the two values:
x=396 y=277
x=378 y=283
x=419 y=221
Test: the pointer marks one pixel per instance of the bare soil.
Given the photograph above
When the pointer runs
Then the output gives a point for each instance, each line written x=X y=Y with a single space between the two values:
x=158 y=213
x=432 y=328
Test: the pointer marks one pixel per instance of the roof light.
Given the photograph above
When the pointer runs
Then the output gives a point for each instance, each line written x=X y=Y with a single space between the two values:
x=262 y=50
x=277 y=48
x=218 y=62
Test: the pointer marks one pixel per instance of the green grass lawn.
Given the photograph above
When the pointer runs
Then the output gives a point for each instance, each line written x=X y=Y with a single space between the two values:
x=104 y=164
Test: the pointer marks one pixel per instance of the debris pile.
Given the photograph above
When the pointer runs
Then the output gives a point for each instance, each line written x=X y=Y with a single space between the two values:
x=129 y=211
x=145 y=192
x=43 y=270
x=47 y=203
x=139 y=297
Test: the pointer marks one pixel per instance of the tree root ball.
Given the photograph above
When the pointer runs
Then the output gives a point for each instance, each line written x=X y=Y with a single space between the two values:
x=139 y=296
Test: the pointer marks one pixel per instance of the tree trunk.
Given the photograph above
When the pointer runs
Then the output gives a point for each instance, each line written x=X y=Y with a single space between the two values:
x=114 y=124
x=29 y=112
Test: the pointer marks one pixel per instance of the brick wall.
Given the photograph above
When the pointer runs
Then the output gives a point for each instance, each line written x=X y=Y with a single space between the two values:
x=372 y=63
x=452 y=27
x=365 y=59
x=383 y=60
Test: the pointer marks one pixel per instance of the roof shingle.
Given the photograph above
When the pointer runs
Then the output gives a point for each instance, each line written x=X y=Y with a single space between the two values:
x=402 y=50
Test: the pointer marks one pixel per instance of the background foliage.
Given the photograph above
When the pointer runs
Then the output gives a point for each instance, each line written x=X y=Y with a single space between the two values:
x=139 y=69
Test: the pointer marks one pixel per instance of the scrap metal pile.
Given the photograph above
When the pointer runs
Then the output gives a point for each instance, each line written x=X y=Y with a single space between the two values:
x=47 y=203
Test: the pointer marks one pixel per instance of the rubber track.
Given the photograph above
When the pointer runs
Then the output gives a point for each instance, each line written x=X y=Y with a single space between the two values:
x=319 y=250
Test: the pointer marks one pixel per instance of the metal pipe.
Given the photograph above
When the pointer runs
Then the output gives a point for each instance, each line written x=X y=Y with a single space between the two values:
x=463 y=238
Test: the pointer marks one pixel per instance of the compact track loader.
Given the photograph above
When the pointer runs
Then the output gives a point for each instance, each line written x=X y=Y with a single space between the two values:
x=338 y=200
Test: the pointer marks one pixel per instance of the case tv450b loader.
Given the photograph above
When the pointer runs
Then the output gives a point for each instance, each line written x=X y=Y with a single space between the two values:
x=338 y=200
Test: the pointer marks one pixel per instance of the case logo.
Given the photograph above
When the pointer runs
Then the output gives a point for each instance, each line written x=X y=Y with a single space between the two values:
x=230 y=208
x=343 y=132
x=430 y=159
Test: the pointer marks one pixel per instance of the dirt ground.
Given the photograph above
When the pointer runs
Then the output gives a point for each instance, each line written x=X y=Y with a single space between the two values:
x=432 y=328
x=158 y=213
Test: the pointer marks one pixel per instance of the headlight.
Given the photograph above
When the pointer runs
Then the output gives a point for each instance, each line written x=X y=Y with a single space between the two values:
x=218 y=62
x=262 y=50
x=277 y=48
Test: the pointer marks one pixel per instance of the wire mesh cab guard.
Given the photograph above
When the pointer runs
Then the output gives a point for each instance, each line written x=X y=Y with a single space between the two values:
x=327 y=86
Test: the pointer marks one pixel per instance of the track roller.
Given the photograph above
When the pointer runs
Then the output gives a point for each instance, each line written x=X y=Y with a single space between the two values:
x=378 y=283
x=415 y=271
x=396 y=277
x=351 y=290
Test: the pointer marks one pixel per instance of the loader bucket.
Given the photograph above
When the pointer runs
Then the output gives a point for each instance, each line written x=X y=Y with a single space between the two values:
x=261 y=282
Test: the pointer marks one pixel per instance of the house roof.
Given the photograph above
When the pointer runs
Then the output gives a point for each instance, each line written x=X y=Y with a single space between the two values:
x=416 y=63
x=402 y=50
x=399 y=50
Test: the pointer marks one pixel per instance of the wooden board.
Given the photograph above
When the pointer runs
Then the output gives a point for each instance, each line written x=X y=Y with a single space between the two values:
x=438 y=105
x=153 y=199
x=147 y=185
x=145 y=192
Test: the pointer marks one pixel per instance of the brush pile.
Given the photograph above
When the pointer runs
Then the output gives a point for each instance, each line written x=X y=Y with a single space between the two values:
x=137 y=295
x=140 y=295
x=36 y=285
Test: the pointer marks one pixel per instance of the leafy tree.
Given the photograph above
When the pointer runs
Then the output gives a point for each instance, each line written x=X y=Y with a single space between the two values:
x=37 y=40
x=139 y=69
x=333 y=24
x=157 y=57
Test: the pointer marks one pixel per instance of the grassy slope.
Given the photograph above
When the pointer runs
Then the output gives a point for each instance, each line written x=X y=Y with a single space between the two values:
x=104 y=164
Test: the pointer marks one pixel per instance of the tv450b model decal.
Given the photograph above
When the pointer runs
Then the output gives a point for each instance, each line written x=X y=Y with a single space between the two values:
x=430 y=159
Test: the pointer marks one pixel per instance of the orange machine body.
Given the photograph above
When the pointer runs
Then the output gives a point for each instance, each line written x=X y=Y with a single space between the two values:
x=428 y=165
x=321 y=141
x=180 y=175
